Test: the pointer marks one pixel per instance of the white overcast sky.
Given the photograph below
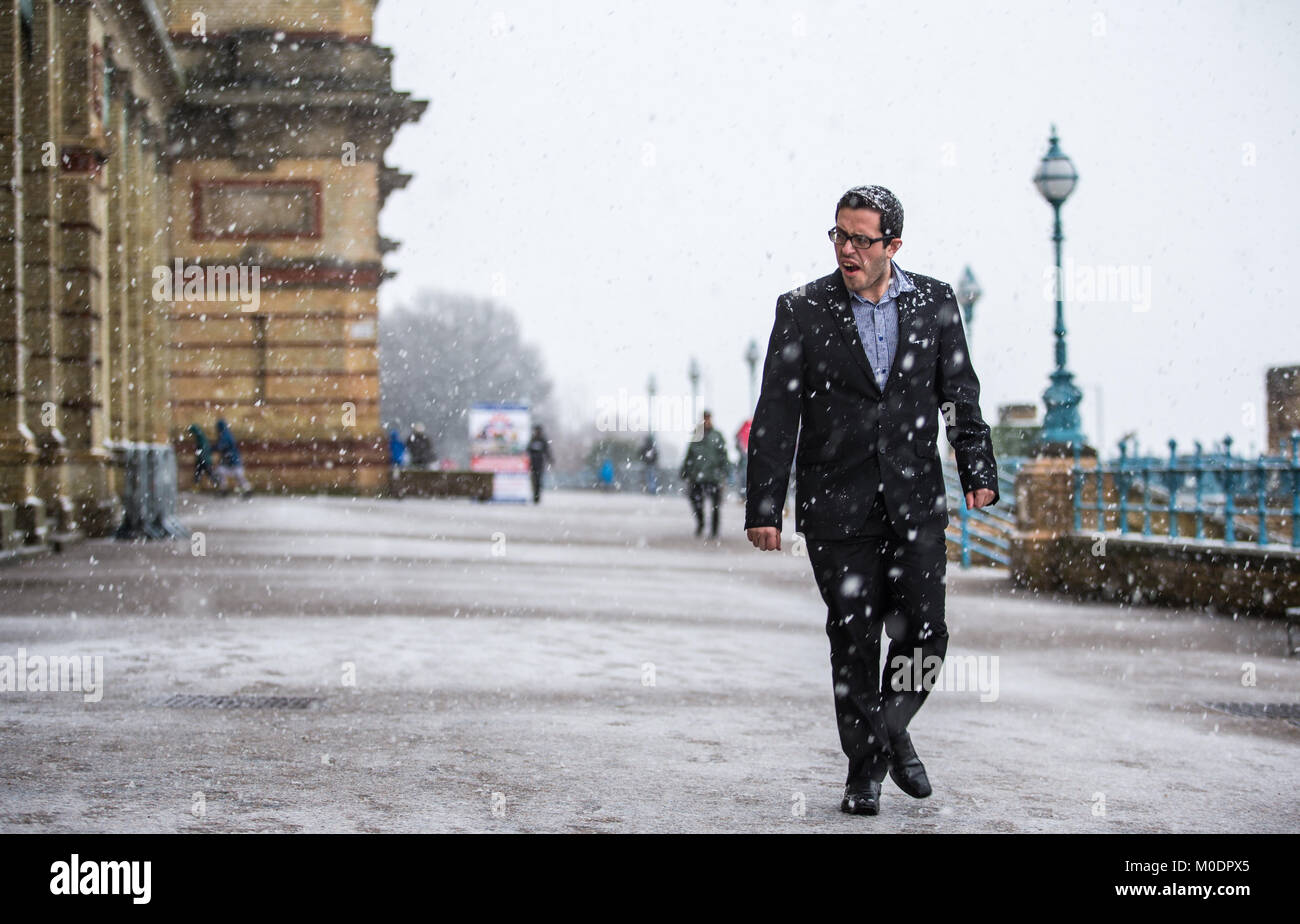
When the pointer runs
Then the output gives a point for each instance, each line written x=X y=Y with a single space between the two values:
x=640 y=181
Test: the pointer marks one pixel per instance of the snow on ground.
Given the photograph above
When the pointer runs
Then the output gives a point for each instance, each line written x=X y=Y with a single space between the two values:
x=589 y=665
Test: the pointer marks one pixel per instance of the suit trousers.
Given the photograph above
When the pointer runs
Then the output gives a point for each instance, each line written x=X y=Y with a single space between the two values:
x=871 y=581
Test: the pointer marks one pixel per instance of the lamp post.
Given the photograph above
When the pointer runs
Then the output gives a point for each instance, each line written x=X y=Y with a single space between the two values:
x=1055 y=180
x=968 y=293
x=693 y=372
x=651 y=452
x=650 y=390
x=751 y=357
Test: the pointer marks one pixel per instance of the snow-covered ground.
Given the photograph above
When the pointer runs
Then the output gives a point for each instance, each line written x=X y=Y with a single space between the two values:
x=589 y=665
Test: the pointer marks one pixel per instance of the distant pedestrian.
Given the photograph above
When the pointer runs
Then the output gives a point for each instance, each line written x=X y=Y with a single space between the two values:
x=231 y=465
x=607 y=474
x=705 y=470
x=419 y=448
x=742 y=449
x=396 y=448
x=203 y=458
x=539 y=453
x=650 y=459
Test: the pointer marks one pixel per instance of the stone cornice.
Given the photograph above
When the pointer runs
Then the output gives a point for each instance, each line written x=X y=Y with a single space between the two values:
x=147 y=21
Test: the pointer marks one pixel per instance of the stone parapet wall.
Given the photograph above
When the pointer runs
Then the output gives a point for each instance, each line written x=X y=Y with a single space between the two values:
x=1047 y=555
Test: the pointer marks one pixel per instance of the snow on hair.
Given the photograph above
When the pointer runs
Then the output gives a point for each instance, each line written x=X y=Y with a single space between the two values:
x=878 y=199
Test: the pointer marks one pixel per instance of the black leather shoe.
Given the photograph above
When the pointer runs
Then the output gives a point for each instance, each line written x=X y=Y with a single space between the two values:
x=906 y=769
x=862 y=798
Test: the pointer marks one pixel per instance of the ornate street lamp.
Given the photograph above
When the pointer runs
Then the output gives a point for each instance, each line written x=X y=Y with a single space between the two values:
x=1055 y=180
x=752 y=357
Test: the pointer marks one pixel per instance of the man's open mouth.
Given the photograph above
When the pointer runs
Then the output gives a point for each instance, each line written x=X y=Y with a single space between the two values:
x=850 y=267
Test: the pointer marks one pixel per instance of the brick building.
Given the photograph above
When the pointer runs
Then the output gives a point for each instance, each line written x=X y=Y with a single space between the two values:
x=1282 y=395
x=225 y=134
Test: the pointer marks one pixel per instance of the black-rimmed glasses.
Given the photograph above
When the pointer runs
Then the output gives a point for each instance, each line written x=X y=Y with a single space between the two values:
x=860 y=241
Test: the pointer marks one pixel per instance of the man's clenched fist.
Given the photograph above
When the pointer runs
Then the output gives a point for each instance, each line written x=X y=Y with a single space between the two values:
x=765 y=538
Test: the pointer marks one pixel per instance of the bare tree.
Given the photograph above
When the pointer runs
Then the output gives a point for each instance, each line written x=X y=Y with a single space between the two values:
x=447 y=351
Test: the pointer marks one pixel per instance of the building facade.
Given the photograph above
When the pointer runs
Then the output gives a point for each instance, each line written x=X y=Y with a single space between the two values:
x=1282 y=397
x=188 y=230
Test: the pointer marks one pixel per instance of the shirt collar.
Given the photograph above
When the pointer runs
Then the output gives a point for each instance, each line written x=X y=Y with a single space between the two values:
x=898 y=283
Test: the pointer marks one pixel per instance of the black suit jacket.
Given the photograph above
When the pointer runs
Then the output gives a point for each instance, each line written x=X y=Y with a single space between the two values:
x=820 y=407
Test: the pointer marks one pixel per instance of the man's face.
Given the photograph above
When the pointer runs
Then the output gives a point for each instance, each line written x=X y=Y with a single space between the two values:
x=708 y=422
x=863 y=268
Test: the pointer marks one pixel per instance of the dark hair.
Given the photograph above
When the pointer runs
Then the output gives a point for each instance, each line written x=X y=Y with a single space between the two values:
x=878 y=199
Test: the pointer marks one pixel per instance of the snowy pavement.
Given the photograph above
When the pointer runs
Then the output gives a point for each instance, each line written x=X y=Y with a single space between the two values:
x=589 y=665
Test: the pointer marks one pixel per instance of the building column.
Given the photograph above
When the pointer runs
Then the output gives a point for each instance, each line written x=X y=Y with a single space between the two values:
x=154 y=247
x=20 y=511
x=83 y=215
x=121 y=250
x=41 y=93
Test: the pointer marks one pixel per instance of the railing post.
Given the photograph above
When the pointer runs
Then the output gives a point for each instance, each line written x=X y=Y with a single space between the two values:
x=1229 y=508
x=1261 y=500
x=1101 y=495
x=1121 y=485
x=1173 y=482
x=965 y=533
x=1076 y=483
x=1198 y=468
x=1295 y=489
x=1146 y=497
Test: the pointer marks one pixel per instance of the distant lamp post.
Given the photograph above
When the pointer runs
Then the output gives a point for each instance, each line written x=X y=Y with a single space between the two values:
x=650 y=390
x=693 y=372
x=968 y=293
x=1055 y=180
x=751 y=357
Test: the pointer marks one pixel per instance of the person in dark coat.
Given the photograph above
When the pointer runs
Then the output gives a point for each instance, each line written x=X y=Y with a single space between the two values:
x=539 y=453
x=861 y=366
x=420 y=448
x=203 y=457
x=231 y=465
x=650 y=459
x=705 y=470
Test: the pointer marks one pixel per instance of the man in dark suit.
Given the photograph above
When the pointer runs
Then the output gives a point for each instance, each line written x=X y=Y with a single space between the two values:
x=860 y=366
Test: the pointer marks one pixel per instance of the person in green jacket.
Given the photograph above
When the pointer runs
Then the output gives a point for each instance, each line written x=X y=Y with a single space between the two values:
x=202 y=457
x=705 y=470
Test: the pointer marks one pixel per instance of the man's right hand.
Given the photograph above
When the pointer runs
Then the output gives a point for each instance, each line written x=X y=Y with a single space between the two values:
x=765 y=538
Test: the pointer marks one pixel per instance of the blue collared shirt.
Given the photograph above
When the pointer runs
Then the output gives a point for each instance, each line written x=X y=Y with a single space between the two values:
x=878 y=323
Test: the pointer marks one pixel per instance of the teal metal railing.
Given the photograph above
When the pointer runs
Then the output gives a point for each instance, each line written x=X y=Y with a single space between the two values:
x=984 y=533
x=1217 y=493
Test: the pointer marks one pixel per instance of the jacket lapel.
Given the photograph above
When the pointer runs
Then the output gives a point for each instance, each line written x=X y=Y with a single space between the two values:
x=843 y=312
